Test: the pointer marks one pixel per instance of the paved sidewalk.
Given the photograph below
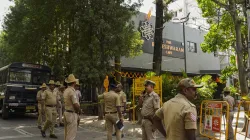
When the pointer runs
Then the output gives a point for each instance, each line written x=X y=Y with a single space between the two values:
x=131 y=130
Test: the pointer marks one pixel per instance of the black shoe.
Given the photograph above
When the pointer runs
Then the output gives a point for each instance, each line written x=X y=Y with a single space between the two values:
x=114 y=134
x=53 y=136
x=39 y=127
x=43 y=133
x=122 y=135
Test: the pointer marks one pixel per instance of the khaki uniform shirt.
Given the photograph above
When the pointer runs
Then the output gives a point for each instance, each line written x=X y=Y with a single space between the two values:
x=70 y=98
x=61 y=97
x=50 y=97
x=150 y=103
x=230 y=101
x=178 y=114
x=123 y=99
x=39 y=96
x=111 y=101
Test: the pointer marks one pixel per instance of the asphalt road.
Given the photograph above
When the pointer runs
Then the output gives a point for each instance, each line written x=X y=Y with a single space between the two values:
x=24 y=128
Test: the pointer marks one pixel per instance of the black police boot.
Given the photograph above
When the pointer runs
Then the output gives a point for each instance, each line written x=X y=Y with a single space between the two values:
x=53 y=136
x=43 y=133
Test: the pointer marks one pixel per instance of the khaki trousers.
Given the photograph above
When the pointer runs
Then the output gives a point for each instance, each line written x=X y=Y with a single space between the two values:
x=230 y=126
x=70 y=125
x=148 y=131
x=41 y=117
x=60 y=114
x=110 y=122
x=51 y=115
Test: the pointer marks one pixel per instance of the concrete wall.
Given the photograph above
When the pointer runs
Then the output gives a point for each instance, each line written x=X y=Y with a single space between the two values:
x=195 y=61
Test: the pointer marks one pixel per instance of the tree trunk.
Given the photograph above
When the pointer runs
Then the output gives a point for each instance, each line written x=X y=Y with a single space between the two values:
x=157 y=58
x=118 y=69
x=240 y=60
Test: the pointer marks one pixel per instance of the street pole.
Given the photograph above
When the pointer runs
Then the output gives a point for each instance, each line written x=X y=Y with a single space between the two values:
x=183 y=21
x=184 y=45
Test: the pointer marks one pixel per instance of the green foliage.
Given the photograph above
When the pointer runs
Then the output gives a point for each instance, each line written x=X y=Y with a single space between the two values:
x=228 y=31
x=208 y=89
x=79 y=36
x=228 y=72
x=170 y=82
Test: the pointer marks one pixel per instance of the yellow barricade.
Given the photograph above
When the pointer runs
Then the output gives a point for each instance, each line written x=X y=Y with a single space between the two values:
x=246 y=111
x=211 y=115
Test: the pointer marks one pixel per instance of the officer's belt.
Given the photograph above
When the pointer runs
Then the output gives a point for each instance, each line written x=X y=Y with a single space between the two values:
x=50 y=105
x=110 y=112
x=148 y=118
x=70 y=111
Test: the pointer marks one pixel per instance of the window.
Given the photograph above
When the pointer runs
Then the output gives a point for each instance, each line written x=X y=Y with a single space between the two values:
x=192 y=47
x=39 y=77
x=175 y=14
x=20 y=76
x=216 y=54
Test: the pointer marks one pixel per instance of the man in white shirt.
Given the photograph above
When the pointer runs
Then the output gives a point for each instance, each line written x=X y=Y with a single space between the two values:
x=78 y=92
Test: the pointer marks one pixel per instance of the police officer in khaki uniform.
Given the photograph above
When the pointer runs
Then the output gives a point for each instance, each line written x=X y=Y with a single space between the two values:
x=72 y=109
x=49 y=101
x=112 y=107
x=231 y=102
x=59 y=103
x=179 y=114
x=123 y=99
x=150 y=103
x=41 y=116
x=61 y=100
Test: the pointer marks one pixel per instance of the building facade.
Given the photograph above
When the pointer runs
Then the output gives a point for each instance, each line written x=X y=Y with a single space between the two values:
x=197 y=62
x=181 y=8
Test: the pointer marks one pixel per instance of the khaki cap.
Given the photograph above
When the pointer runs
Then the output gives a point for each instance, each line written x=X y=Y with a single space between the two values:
x=226 y=89
x=62 y=86
x=77 y=82
x=58 y=83
x=149 y=82
x=51 y=82
x=43 y=85
x=70 y=79
x=187 y=83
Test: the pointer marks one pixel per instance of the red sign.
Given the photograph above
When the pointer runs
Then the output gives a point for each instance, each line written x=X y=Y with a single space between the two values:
x=216 y=124
x=215 y=105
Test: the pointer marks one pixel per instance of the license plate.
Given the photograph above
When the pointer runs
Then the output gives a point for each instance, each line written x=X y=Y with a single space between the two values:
x=30 y=107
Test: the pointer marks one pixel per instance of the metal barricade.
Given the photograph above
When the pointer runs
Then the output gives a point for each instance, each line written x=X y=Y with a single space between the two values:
x=211 y=115
x=246 y=117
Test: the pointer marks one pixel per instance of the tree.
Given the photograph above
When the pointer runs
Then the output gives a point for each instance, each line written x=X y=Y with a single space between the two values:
x=162 y=16
x=229 y=32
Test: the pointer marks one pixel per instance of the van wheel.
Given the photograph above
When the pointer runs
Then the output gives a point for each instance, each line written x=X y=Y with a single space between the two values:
x=5 y=112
